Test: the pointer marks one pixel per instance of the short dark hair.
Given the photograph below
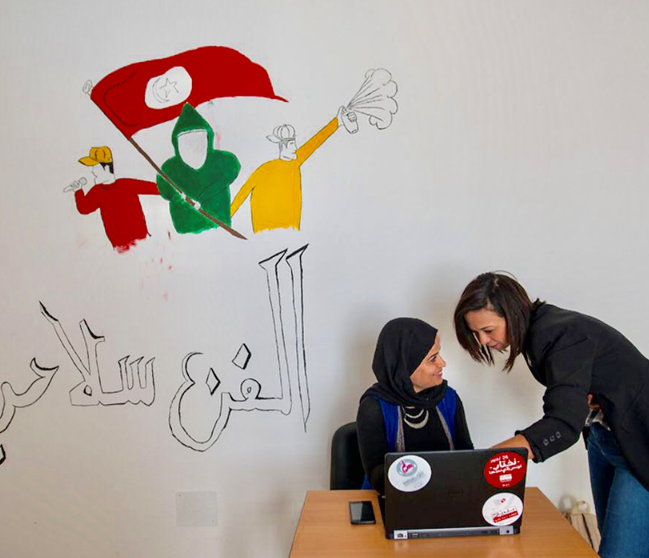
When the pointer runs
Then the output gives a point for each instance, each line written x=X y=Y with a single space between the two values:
x=110 y=166
x=506 y=297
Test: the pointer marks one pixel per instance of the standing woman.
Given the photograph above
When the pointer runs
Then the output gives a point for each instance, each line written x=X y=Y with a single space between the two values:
x=596 y=382
x=411 y=407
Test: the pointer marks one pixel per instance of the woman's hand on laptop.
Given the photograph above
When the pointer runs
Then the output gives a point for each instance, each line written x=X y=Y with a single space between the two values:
x=518 y=441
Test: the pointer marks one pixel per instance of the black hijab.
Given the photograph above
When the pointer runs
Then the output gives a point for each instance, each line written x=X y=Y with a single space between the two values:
x=402 y=345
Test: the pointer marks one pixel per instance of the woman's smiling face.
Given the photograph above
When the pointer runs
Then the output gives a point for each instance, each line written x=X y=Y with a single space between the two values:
x=489 y=328
x=429 y=372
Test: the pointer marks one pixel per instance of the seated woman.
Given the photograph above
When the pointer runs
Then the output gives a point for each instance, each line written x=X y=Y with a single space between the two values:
x=411 y=408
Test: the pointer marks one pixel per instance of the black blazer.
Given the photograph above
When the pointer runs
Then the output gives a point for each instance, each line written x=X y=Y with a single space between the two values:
x=573 y=355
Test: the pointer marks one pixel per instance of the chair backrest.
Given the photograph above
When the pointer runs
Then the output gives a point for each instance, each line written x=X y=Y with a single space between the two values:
x=346 y=466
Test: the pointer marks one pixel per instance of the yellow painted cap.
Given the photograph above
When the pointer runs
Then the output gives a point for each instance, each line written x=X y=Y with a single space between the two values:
x=97 y=155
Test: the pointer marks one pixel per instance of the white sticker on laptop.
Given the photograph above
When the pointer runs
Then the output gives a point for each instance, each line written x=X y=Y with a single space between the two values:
x=409 y=473
x=502 y=509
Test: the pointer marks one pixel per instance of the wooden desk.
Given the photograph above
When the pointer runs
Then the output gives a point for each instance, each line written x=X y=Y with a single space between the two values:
x=324 y=530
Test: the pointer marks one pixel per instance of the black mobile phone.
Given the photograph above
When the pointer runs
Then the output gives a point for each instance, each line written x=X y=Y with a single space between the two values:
x=361 y=513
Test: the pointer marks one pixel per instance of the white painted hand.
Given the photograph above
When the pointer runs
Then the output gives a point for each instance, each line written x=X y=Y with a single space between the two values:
x=348 y=119
x=76 y=185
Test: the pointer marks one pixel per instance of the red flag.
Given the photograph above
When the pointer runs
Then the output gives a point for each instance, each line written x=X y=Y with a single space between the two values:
x=144 y=94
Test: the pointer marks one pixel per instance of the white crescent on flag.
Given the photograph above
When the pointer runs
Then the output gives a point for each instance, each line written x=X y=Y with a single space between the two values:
x=169 y=89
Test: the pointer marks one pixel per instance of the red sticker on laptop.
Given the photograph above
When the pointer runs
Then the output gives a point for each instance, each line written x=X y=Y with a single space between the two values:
x=505 y=469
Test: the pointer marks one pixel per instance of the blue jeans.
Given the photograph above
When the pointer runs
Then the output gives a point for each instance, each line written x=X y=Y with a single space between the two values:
x=621 y=502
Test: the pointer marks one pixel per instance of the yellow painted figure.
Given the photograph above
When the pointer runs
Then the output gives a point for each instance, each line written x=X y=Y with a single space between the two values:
x=275 y=188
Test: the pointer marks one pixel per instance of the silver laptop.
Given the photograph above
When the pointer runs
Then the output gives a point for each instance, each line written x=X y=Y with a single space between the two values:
x=454 y=493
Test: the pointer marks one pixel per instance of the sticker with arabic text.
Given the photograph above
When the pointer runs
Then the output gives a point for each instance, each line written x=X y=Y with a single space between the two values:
x=505 y=469
x=502 y=509
x=409 y=473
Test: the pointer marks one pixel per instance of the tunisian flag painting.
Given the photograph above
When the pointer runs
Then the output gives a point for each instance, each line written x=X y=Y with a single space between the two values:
x=144 y=94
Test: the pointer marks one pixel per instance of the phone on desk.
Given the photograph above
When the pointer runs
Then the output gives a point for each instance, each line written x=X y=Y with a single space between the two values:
x=361 y=513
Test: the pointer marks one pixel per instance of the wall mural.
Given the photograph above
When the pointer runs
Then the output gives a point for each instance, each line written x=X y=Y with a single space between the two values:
x=198 y=395
x=137 y=385
x=196 y=180
x=145 y=94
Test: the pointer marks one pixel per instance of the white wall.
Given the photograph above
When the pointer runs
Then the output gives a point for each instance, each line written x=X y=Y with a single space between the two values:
x=521 y=143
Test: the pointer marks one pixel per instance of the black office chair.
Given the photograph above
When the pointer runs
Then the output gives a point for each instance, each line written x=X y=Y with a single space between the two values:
x=346 y=467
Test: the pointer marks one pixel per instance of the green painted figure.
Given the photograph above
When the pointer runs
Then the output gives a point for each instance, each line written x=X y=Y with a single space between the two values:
x=203 y=173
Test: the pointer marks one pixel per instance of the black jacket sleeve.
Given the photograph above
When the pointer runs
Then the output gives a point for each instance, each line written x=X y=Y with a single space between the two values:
x=567 y=369
x=372 y=441
x=462 y=436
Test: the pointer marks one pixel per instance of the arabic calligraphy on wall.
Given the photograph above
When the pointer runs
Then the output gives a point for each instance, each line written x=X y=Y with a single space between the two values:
x=199 y=396
x=137 y=385
x=201 y=386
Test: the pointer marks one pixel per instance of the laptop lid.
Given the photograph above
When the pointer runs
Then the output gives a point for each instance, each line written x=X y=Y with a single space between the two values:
x=454 y=493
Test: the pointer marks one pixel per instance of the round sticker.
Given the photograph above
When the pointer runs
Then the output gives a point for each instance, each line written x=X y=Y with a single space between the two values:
x=409 y=473
x=502 y=509
x=505 y=469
